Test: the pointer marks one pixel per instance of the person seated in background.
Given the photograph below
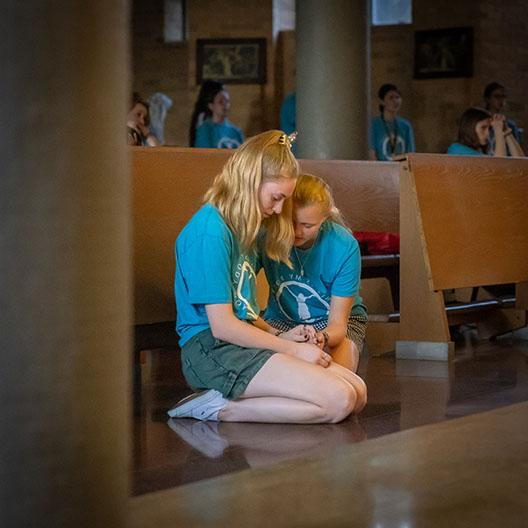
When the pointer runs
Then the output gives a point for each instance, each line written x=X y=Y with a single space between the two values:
x=495 y=95
x=217 y=131
x=320 y=291
x=138 y=131
x=473 y=134
x=390 y=136
x=208 y=87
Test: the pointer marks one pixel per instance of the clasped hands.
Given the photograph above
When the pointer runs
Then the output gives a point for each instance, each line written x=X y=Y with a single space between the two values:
x=305 y=334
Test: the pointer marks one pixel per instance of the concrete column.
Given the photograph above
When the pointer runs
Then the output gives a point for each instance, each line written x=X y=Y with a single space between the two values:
x=333 y=71
x=64 y=264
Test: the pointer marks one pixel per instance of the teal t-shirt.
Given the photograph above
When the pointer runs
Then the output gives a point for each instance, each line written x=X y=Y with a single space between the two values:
x=463 y=150
x=332 y=266
x=211 y=269
x=218 y=135
x=379 y=138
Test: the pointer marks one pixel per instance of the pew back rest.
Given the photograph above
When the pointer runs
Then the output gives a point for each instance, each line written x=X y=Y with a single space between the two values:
x=474 y=218
x=366 y=192
x=168 y=186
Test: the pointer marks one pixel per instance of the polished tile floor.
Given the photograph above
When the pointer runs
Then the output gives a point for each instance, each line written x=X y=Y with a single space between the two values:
x=402 y=395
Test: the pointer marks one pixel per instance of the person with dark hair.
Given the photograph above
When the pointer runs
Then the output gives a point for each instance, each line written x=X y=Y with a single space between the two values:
x=495 y=95
x=138 y=131
x=200 y=107
x=216 y=131
x=473 y=134
x=390 y=136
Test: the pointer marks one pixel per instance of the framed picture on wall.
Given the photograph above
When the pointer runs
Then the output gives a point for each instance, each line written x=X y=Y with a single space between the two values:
x=443 y=53
x=231 y=61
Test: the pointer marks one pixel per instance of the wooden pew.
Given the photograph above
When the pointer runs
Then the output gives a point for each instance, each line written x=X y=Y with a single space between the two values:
x=168 y=185
x=464 y=222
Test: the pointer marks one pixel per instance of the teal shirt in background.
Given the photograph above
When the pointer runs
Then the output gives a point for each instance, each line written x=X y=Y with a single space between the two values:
x=331 y=267
x=218 y=135
x=379 y=139
x=211 y=269
x=463 y=150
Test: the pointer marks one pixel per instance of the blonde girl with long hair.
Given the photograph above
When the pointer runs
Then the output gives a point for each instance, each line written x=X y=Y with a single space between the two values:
x=240 y=372
x=321 y=290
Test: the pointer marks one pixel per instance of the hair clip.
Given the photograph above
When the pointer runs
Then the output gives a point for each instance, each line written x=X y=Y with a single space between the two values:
x=288 y=139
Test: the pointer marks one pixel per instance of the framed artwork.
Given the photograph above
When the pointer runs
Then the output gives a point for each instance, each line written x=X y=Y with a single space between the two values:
x=443 y=53
x=231 y=61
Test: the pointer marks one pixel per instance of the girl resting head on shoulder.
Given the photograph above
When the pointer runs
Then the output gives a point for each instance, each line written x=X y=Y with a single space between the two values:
x=240 y=371
x=320 y=292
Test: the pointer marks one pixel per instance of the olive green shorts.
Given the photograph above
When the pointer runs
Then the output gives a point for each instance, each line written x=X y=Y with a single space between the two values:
x=209 y=363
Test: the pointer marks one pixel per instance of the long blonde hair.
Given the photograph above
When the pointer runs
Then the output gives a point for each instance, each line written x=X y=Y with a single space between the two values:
x=235 y=192
x=312 y=190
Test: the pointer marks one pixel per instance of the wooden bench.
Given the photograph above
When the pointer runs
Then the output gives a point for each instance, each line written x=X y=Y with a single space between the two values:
x=168 y=185
x=464 y=223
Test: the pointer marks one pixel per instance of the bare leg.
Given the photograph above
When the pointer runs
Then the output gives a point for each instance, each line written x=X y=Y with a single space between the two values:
x=289 y=390
x=346 y=354
x=355 y=381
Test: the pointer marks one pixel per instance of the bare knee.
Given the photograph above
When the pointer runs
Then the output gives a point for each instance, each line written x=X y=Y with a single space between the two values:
x=340 y=403
x=361 y=395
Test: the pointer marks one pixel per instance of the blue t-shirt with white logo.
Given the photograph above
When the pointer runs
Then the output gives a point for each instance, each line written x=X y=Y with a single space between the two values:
x=332 y=266
x=459 y=149
x=211 y=269
x=218 y=135
x=380 y=137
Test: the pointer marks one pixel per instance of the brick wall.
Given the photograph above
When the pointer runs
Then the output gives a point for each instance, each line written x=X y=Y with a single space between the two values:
x=433 y=105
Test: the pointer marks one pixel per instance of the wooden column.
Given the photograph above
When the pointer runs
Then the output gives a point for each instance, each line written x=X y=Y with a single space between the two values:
x=64 y=264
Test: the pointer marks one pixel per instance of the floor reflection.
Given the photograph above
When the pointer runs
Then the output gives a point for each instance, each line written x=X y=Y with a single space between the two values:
x=402 y=395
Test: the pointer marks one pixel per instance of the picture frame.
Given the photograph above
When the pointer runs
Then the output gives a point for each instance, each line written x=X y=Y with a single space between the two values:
x=231 y=61
x=443 y=53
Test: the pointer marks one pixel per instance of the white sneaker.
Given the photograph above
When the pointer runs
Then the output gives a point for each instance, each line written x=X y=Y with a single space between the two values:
x=204 y=405
x=202 y=436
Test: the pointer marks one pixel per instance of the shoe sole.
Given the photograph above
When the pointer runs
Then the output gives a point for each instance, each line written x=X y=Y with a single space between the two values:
x=182 y=408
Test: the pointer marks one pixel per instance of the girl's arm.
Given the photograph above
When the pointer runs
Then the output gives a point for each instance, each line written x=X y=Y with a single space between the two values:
x=227 y=327
x=497 y=122
x=337 y=321
x=514 y=147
